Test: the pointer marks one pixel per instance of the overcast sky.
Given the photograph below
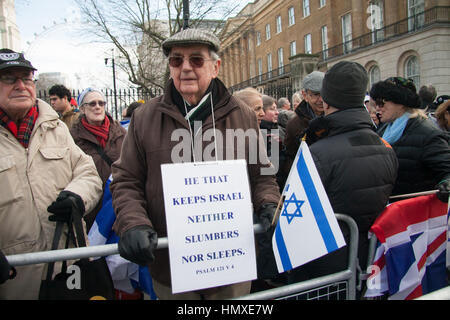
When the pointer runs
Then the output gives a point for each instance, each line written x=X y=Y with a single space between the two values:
x=52 y=41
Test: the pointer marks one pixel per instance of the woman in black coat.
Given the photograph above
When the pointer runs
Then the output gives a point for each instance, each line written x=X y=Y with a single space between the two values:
x=422 y=149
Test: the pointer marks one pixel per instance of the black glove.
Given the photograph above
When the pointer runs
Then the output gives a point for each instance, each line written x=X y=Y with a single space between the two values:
x=6 y=271
x=443 y=190
x=137 y=245
x=66 y=205
x=266 y=213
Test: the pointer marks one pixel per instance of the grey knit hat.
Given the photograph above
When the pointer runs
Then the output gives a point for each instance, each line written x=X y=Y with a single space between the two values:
x=190 y=37
x=345 y=85
x=313 y=81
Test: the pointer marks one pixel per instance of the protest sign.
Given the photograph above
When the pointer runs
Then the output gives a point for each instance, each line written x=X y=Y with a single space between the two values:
x=209 y=224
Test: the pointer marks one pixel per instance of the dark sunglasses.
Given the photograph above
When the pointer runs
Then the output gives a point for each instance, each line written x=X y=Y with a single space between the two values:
x=400 y=81
x=194 y=61
x=92 y=104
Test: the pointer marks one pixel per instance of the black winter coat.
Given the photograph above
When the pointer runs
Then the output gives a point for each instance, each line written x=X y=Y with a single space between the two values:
x=358 y=170
x=424 y=157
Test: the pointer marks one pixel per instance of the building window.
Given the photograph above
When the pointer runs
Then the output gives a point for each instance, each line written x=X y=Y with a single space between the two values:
x=322 y=3
x=308 y=46
x=347 y=32
x=293 y=48
x=376 y=20
x=280 y=61
x=416 y=17
x=306 y=10
x=258 y=38
x=324 y=34
x=291 y=15
x=412 y=70
x=279 y=24
x=260 y=69
x=374 y=75
x=267 y=31
x=269 y=64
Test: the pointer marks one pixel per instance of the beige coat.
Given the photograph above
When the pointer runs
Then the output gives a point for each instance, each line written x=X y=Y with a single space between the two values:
x=30 y=180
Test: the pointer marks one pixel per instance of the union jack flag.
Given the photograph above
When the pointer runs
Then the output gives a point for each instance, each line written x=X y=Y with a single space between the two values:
x=410 y=259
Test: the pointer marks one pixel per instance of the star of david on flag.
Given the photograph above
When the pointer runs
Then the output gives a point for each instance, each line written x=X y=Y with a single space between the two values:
x=296 y=213
x=307 y=227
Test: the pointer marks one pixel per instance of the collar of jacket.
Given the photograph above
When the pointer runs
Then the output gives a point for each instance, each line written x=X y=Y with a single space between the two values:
x=269 y=125
x=48 y=117
x=221 y=103
x=338 y=122
x=304 y=110
x=79 y=131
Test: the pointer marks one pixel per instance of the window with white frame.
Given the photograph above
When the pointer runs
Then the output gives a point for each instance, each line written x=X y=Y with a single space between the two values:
x=279 y=29
x=291 y=15
x=374 y=75
x=347 y=32
x=293 y=48
x=306 y=9
x=280 y=60
x=267 y=31
x=412 y=70
x=260 y=68
x=324 y=35
x=258 y=38
x=415 y=14
x=269 y=64
x=308 y=45
x=322 y=3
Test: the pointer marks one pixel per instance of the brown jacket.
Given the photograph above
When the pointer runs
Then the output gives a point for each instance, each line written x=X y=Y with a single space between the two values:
x=87 y=142
x=70 y=117
x=137 y=184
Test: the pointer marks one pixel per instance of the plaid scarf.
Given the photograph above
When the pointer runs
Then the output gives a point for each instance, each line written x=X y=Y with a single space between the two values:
x=22 y=130
x=100 y=132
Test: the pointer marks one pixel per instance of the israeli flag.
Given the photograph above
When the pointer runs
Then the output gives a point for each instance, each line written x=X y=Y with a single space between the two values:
x=126 y=276
x=307 y=227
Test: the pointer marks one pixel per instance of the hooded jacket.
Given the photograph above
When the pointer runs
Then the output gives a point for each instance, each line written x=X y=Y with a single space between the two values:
x=152 y=140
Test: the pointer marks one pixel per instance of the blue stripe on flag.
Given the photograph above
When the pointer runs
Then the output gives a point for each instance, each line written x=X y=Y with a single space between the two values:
x=282 y=250
x=316 y=206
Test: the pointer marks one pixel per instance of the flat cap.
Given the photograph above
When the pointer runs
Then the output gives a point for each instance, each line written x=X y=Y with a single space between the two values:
x=313 y=81
x=189 y=37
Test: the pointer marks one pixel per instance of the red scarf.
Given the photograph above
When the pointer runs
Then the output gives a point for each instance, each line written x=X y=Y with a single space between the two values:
x=100 y=132
x=22 y=132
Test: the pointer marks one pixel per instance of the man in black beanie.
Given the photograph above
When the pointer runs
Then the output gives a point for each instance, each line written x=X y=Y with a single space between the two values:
x=357 y=169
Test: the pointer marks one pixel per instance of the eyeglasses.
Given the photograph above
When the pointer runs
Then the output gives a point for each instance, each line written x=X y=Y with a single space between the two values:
x=194 y=61
x=92 y=104
x=12 y=80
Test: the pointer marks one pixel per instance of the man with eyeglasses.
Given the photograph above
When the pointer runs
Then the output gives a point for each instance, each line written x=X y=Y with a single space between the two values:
x=192 y=95
x=44 y=176
x=310 y=108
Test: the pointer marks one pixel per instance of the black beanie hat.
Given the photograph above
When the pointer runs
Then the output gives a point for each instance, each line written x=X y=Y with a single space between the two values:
x=344 y=85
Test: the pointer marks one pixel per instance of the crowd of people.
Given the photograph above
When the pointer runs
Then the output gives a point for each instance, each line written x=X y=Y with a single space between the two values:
x=367 y=144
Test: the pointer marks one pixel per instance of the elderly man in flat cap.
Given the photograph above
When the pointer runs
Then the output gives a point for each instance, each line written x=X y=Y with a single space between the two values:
x=192 y=95
x=44 y=176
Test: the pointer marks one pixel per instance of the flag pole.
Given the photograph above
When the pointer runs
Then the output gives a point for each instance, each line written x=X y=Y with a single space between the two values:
x=277 y=210
x=410 y=195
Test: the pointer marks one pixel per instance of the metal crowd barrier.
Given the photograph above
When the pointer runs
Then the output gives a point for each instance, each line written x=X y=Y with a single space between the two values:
x=79 y=253
x=336 y=286
x=441 y=294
